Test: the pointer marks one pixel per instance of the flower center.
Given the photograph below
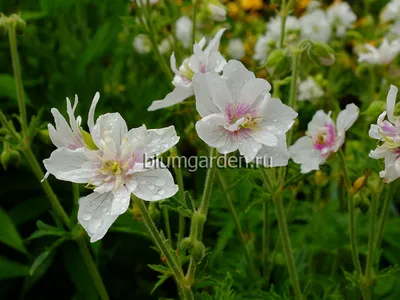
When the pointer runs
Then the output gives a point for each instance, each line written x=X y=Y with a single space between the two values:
x=325 y=138
x=112 y=167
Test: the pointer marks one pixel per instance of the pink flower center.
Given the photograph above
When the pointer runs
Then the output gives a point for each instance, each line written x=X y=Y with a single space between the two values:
x=241 y=118
x=324 y=140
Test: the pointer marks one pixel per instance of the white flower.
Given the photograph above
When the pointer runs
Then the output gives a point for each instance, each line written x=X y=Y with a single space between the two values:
x=322 y=138
x=396 y=28
x=142 y=44
x=391 y=11
x=116 y=169
x=263 y=48
x=341 y=17
x=238 y=113
x=141 y=3
x=165 y=45
x=274 y=26
x=381 y=56
x=315 y=26
x=388 y=132
x=202 y=61
x=218 y=12
x=309 y=90
x=236 y=49
x=184 y=27
x=64 y=134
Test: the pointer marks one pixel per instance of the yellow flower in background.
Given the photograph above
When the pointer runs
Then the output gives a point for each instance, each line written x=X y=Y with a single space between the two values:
x=252 y=4
x=233 y=9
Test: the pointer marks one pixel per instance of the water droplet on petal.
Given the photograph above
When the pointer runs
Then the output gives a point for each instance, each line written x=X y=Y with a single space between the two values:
x=86 y=216
x=151 y=186
x=161 y=192
x=160 y=182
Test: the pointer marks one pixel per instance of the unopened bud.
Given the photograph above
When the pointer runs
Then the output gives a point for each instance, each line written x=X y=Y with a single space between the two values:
x=359 y=183
x=9 y=157
x=217 y=11
x=19 y=23
x=279 y=62
x=186 y=243
x=197 y=250
x=321 y=53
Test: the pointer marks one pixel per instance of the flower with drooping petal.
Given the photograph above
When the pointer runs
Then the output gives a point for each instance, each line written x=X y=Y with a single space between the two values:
x=217 y=11
x=117 y=168
x=202 y=61
x=388 y=133
x=238 y=112
x=315 y=26
x=341 y=17
x=64 y=134
x=184 y=27
x=309 y=90
x=236 y=49
x=380 y=56
x=322 y=138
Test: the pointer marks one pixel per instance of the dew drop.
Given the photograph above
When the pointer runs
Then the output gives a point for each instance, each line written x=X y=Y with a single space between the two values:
x=161 y=192
x=86 y=216
x=151 y=186
x=161 y=182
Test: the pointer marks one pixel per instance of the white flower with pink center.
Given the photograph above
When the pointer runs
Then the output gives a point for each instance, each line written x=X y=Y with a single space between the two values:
x=322 y=138
x=118 y=167
x=388 y=132
x=383 y=55
x=238 y=113
x=202 y=61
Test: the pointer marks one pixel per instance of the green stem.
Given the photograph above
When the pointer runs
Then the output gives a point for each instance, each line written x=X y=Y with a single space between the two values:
x=152 y=36
x=371 y=240
x=283 y=23
x=238 y=227
x=167 y=226
x=196 y=232
x=286 y=245
x=383 y=216
x=165 y=249
x=55 y=203
x=75 y=192
x=352 y=217
x=10 y=129
x=87 y=257
x=17 y=77
x=265 y=239
x=194 y=17
x=182 y=200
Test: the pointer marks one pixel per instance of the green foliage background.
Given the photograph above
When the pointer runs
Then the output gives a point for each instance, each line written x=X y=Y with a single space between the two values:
x=80 y=47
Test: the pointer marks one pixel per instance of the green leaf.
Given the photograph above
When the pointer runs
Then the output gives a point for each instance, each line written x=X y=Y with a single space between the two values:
x=161 y=269
x=12 y=269
x=9 y=234
x=28 y=210
x=161 y=280
x=47 y=230
x=8 y=89
x=38 y=261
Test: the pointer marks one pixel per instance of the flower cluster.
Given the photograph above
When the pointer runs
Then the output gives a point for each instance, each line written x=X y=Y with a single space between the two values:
x=110 y=160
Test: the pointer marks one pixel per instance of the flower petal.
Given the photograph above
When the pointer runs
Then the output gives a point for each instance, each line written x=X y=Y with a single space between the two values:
x=276 y=156
x=70 y=165
x=277 y=115
x=391 y=102
x=95 y=216
x=92 y=110
x=161 y=140
x=346 y=118
x=374 y=132
x=179 y=94
x=204 y=98
x=109 y=131
x=302 y=152
x=236 y=76
x=248 y=147
x=214 y=43
x=216 y=62
x=210 y=129
x=154 y=181
x=264 y=137
x=121 y=199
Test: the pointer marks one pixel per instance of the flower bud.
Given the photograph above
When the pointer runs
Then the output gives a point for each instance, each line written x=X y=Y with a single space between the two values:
x=217 y=11
x=197 y=250
x=359 y=183
x=19 y=23
x=186 y=243
x=321 y=53
x=9 y=157
x=43 y=136
x=279 y=62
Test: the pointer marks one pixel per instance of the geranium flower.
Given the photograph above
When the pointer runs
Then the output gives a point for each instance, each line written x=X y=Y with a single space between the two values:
x=383 y=55
x=315 y=26
x=341 y=17
x=118 y=167
x=309 y=90
x=388 y=132
x=238 y=112
x=323 y=138
x=184 y=26
x=202 y=61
